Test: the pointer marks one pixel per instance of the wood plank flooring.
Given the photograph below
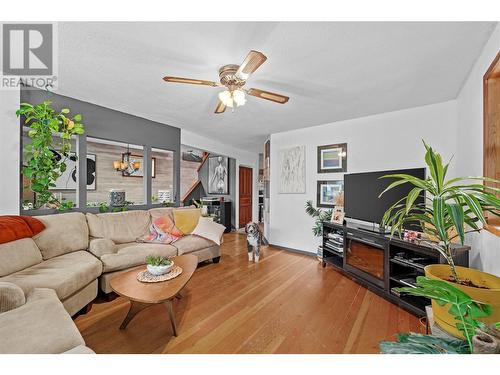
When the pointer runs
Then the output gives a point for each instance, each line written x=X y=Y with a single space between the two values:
x=287 y=303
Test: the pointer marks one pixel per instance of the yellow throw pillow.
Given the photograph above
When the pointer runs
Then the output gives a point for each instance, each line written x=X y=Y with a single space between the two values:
x=186 y=219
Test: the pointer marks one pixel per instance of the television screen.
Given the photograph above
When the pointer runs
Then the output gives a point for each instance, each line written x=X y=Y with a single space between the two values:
x=361 y=191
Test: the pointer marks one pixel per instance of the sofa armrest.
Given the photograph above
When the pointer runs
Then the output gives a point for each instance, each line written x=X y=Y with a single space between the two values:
x=101 y=246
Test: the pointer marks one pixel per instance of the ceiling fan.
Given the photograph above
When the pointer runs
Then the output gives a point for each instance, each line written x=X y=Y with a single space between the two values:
x=233 y=78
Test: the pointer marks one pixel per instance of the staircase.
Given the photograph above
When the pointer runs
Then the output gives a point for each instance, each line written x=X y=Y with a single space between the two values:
x=196 y=191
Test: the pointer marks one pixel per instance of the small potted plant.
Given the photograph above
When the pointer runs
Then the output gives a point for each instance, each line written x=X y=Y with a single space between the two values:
x=158 y=265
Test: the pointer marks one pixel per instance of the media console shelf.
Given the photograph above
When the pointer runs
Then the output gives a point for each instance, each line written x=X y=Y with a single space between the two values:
x=381 y=263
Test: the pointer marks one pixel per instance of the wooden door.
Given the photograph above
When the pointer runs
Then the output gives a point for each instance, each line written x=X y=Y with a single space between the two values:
x=245 y=196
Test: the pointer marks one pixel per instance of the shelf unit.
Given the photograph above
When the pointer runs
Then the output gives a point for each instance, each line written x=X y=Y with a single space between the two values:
x=403 y=262
x=333 y=246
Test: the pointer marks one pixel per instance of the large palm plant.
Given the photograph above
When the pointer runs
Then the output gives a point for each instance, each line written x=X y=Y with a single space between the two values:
x=452 y=207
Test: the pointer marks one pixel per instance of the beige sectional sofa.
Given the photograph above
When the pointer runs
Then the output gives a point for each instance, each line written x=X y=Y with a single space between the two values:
x=61 y=269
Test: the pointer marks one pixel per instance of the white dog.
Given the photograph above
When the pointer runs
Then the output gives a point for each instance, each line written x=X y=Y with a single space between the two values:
x=254 y=240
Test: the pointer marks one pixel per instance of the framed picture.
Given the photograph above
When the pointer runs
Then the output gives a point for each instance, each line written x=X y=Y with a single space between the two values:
x=327 y=192
x=67 y=180
x=332 y=158
x=218 y=175
x=293 y=170
x=140 y=171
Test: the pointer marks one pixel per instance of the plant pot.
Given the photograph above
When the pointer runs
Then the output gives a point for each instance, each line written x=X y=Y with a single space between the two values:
x=159 y=270
x=489 y=296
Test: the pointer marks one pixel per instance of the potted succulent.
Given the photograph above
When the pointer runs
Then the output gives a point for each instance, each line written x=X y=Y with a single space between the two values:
x=158 y=265
x=452 y=209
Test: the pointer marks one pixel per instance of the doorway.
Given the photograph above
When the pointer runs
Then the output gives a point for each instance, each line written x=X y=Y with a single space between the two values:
x=491 y=134
x=245 y=196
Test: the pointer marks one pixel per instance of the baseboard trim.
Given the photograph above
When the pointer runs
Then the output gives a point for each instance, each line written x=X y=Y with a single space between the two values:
x=293 y=250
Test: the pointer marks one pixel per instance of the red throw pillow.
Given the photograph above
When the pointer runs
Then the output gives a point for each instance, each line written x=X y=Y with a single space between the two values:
x=14 y=228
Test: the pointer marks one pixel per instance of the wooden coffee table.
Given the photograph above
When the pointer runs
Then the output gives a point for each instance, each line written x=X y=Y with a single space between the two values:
x=143 y=295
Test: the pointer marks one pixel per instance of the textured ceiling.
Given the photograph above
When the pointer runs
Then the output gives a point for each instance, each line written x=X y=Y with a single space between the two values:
x=331 y=71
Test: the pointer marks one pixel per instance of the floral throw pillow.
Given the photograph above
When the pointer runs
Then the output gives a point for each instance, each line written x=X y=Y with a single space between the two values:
x=162 y=230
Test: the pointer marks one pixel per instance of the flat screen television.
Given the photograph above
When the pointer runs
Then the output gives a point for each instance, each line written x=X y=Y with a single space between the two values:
x=361 y=191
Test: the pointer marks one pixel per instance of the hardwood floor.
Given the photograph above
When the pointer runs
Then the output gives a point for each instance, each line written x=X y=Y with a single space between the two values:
x=287 y=303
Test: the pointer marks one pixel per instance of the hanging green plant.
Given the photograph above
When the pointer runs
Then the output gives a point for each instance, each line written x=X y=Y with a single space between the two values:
x=42 y=167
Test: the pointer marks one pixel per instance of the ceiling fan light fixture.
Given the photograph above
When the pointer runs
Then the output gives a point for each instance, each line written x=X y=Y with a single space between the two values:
x=239 y=97
x=226 y=98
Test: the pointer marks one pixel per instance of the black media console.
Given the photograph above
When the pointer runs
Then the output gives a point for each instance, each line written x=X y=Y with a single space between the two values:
x=381 y=263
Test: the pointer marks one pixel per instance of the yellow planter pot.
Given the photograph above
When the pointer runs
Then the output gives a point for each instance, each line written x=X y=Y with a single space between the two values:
x=489 y=296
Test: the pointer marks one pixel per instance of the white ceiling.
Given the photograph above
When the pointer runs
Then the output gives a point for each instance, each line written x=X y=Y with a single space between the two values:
x=331 y=71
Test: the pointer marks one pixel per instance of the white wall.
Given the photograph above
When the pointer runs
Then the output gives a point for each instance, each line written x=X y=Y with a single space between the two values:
x=243 y=158
x=9 y=152
x=381 y=142
x=485 y=253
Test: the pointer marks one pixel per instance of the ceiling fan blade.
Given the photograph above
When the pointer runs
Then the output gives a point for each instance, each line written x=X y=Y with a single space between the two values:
x=221 y=107
x=251 y=63
x=282 y=99
x=190 y=81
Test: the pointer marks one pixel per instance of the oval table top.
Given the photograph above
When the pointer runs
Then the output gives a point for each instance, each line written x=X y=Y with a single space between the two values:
x=127 y=285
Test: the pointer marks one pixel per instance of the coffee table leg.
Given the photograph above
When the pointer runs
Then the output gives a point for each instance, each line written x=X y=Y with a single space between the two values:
x=135 y=308
x=172 y=316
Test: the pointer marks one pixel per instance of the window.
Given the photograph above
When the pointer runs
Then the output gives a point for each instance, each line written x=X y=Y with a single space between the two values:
x=162 y=178
x=491 y=141
x=117 y=166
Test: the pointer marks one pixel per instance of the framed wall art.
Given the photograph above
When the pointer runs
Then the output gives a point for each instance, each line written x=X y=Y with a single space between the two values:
x=328 y=192
x=332 y=158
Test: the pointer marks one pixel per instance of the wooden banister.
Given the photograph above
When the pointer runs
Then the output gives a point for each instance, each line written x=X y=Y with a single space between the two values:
x=191 y=189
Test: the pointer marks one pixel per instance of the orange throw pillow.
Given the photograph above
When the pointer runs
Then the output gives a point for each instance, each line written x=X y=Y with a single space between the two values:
x=14 y=228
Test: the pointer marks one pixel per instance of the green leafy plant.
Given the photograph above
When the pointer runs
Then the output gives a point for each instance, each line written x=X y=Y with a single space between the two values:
x=153 y=260
x=42 y=167
x=66 y=205
x=462 y=307
x=416 y=343
x=197 y=203
x=320 y=216
x=452 y=207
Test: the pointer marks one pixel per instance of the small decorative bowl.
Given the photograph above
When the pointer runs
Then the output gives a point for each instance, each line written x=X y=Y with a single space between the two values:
x=159 y=270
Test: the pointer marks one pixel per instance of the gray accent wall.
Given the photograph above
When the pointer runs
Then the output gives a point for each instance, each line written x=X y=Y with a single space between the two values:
x=105 y=123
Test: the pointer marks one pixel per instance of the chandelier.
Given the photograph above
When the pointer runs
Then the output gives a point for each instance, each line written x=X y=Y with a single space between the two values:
x=127 y=165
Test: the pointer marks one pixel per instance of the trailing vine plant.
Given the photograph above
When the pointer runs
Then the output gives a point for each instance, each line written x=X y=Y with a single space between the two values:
x=43 y=166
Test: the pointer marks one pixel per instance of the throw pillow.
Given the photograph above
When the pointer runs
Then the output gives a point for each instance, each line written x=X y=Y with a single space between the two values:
x=11 y=297
x=186 y=219
x=162 y=230
x=209 y=229
x=14 y=228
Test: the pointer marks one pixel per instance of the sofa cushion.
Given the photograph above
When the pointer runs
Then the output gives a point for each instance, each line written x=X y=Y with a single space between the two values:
x=101 y=246
x=66 y=274
x=42 y=325
x=18 y=255
x=191 y=243
x=80 y=349
x=120 y=227
x=64 y=233
x=186 y=219
x=134 y=254
x=11 y=297
x=162 y=230
x=209 y=229
x=161 y=211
